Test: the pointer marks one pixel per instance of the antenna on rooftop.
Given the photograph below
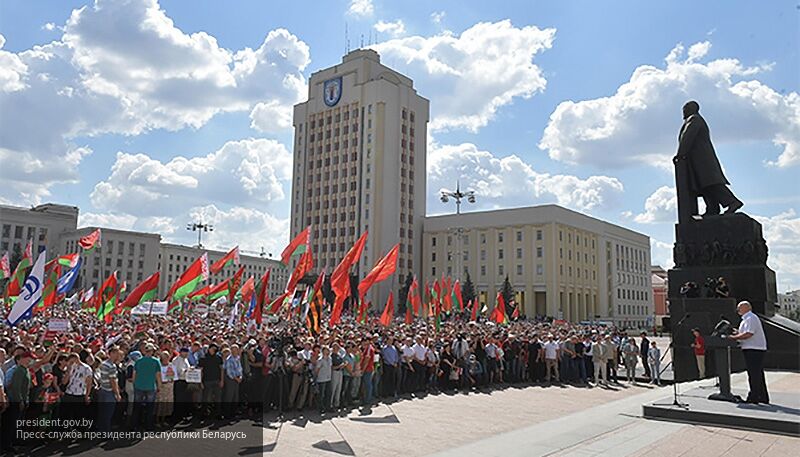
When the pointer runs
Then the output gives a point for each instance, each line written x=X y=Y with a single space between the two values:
x=346 y=40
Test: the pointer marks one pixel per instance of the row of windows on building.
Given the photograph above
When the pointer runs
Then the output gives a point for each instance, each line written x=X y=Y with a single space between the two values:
x=630 y=294
x=577 y=239
x=627 y=310
x=109 y=247
x=631 y=279
x=21 y=231
x=520 y=271
x=500 y=237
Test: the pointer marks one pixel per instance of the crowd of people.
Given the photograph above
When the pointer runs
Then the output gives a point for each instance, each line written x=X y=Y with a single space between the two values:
x=146 y=373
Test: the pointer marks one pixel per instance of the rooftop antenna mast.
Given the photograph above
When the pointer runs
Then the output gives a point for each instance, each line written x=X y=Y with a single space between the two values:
x=346 y=40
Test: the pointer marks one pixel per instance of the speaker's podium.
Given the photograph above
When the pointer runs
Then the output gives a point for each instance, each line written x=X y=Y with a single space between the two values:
x=722 y=357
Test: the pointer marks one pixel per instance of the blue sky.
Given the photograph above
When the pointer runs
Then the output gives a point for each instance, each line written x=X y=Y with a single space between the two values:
x=148 y=114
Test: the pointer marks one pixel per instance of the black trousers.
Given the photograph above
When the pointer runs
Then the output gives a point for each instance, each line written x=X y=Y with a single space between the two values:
x=717 y=195
x=754 y=363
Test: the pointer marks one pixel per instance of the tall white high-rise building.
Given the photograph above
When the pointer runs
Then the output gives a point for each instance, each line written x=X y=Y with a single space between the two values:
x=359 y=165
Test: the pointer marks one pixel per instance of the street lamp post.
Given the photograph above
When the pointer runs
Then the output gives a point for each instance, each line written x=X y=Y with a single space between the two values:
x=458 y=195
x=199 y=227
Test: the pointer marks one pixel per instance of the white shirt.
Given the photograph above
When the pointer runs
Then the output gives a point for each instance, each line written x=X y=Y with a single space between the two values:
x=419 y=352
x=77 y=379
x=550 y=349
x=752 y=324
x=408 y=353
x=181 y=366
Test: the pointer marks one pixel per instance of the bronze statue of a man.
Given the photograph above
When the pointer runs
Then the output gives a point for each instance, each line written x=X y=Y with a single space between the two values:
x=697 y=169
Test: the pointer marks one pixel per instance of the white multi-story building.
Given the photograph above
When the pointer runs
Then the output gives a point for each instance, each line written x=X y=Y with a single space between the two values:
x=134 y=255
x=789 y=302
x=175 y=258
x=561 y=263
x=359 y=165
x=43 y=224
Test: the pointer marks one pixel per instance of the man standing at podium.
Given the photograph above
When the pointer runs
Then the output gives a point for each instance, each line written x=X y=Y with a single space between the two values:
x=754 y=346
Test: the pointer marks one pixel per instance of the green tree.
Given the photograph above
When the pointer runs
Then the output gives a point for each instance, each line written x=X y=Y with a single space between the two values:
x=507 y=291
x=467 y=290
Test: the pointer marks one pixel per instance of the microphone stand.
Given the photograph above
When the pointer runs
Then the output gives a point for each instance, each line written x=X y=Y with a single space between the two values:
x=675 y=401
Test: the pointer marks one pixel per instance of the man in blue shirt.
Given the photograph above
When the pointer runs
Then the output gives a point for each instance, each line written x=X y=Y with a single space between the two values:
x=391 y=360
x=233 y=379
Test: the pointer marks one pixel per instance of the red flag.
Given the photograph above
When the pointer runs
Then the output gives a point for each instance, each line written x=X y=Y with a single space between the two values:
x=388 y=311
x=302 y=268
x=475 y=305
x=457 y=289
x=90 y=241
x=275 y=306
x=248 y=289
x=382 y=270
x=515 y=313
x=409 y=318
x=448 y=297
x=261 y=296
x=340 y=279
x=415 y=298
x=235 y=283
x=499 y=313
x=231 y=257
x=301 y=239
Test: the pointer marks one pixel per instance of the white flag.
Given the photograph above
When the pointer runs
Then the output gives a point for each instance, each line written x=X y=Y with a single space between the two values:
x=31 y=292
x=234 y=313
x=73 y=299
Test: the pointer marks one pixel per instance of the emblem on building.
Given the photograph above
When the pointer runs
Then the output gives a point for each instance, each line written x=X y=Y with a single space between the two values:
x=332 y=91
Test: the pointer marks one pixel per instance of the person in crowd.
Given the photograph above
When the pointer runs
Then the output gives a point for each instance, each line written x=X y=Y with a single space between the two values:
x=552 y=353
x=654 y=360
x=181 y=399
x=600 y=360
x=630 y=352
x=323 y=372
x=78 y=393
x=211 y=364
x=391 y=365
x=699 y=347
x=233 y=375
x=18 y=391
x=367 y=369
x=146 y=383
x=108 y=391
x=165 y=399
x=644 y=348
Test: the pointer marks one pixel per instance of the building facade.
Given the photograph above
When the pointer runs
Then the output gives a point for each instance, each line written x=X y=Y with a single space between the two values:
x=43 y=224
x=660 y=298
x=175 y=259
x=134 y=255
x=789 y=302
x=561 y=263
x=359 y=165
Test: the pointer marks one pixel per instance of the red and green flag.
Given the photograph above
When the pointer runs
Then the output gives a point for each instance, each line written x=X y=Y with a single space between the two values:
x=5 y=267
x=199 y=295
x=499 y=313
x=21 y=272
x=69 y=260
x=144 y=292
x=52 y=271
x=189 y=280
x=107 y=298
x=90 y=241
x=297 y=246
x=340 y=278
x=231 y=258
x=262 y=290
x=302 y=268
x=220 y=290
x=457 y=296
x=234 y=284
x=474 y=305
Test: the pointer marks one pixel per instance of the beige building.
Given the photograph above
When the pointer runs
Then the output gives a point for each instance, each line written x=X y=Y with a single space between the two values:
x=175 y=258
x=133 y=254
x=43 y=224
x=359 y=165
x=562 y=264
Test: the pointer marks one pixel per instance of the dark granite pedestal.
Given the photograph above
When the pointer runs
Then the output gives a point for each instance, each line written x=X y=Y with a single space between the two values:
x=731 y=246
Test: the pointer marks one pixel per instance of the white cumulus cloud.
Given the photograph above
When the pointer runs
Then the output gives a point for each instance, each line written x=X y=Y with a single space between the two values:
x=241 y=172
x=639 y=123
x=660 y=206
x=511 y=182
x=360 y=8
x=395 y=28
x=123 y=67
x=474 y=74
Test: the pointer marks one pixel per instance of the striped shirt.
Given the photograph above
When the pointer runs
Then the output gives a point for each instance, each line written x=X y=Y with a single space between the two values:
x=106 y=372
